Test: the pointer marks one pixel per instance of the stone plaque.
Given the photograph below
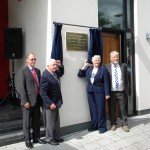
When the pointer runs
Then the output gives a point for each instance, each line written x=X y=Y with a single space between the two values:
x=76 y=41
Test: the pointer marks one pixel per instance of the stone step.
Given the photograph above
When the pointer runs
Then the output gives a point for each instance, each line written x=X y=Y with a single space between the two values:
x=10 y=126
x=7 y=113
x=15 y=137
x=10 y=118
x=11 y=138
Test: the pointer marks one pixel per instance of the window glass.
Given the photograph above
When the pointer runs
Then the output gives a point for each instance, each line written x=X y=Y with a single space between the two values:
x=129 y=51
x=128 y=14
x=110 y=13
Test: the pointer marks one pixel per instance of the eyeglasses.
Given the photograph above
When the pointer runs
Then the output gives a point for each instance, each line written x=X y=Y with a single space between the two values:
x=33 y=59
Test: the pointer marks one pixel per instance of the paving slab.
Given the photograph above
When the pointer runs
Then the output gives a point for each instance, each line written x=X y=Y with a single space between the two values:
x=137 y=139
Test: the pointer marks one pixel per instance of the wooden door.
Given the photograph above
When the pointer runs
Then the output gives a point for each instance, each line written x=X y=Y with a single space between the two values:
x=110 y=42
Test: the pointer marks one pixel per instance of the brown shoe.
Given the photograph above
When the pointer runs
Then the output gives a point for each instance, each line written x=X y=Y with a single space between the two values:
x=125 y=128
x=113 y=127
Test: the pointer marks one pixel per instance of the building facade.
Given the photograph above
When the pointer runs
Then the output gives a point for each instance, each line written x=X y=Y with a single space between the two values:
x=124 y=27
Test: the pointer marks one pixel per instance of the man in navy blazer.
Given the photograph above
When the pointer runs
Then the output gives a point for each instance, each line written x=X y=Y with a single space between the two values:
x=119 y=87
x=30 y=100
x=50 y=91
x=98 y=91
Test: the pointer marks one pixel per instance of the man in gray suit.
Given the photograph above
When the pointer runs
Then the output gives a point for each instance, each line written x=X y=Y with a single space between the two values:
x=31 y=101
x=118 y=76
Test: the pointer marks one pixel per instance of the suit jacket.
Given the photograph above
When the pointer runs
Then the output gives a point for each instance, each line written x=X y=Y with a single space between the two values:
x=50 y=89
x=123 y=68
x=27 y=86
x=101 y=80
x=60 y=71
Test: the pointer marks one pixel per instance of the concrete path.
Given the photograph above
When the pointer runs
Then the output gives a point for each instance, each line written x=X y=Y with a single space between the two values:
x=137 y=139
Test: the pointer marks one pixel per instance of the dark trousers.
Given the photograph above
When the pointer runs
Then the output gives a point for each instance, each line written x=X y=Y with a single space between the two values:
x=97 y=110
x=121 y=98
x=31 y=118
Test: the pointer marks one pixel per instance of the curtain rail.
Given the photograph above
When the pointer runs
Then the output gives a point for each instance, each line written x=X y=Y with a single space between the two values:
x=76 y=25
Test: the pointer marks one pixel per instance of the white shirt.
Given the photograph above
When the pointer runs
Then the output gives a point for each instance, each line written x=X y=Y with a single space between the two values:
x=121 y=85
x=94 y=72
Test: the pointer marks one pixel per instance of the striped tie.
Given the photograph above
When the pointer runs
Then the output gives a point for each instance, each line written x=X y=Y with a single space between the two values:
x=116 y=77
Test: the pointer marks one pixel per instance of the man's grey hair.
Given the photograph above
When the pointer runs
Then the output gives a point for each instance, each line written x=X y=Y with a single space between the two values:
x=114 y=53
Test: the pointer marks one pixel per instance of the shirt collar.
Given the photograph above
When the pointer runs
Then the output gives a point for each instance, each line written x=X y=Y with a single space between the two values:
x=50 y=72
x=31 y=68
x=114 y=65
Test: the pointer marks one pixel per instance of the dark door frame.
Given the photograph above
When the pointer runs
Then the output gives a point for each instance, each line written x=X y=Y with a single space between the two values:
x=124 y=59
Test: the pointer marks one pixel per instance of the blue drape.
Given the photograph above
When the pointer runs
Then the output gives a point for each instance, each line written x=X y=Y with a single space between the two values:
x=95 y=47
x=57 y=52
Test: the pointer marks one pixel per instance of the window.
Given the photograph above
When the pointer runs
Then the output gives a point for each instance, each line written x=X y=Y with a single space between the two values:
x=110 y=14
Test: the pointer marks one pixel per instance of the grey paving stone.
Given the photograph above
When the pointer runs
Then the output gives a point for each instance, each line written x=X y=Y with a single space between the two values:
x=137 y=139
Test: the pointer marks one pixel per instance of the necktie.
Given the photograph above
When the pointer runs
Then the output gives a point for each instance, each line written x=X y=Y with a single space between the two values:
x=55 y=76
x=116 y=77
x=36 y=81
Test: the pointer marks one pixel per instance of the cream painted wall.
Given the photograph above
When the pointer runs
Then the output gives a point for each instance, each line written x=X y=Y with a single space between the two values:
x=142 y=54
x=31 y=16
x=80 y=12
x=36 y=19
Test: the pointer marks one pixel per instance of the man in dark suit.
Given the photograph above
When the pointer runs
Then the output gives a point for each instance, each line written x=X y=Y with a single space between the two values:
x=118 y=76
x=31 y=101
x=52 y=100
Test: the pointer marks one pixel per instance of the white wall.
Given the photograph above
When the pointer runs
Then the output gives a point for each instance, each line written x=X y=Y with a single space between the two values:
x=31 y=16
x=80 y=12
x=36 y=21
x=142 y=54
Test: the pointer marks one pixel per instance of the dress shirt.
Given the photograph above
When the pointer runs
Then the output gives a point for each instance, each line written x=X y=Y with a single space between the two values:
x=121 y=85
x=94 y=72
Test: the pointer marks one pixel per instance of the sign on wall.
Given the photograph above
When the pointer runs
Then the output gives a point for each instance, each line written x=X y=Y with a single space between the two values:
x=76 y=41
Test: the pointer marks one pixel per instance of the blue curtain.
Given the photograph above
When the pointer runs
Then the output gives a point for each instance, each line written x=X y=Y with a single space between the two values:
x=57 y=51
x=96 y=47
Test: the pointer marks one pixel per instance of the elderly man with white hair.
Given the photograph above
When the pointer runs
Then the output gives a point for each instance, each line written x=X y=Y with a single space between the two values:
x=118 y=76
x=98 y=88
x=52 y=100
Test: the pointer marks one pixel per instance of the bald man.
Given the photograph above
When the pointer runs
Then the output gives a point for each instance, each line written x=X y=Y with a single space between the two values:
x=52 y=100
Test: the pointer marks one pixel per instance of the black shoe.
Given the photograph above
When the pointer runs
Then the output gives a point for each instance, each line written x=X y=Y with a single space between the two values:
x=59 y=140
x=29 y=145
x=38 y=140
x=53 y=142
x=92 y=129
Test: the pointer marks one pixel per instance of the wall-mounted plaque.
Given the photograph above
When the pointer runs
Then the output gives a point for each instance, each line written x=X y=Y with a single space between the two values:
x=76 y=41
